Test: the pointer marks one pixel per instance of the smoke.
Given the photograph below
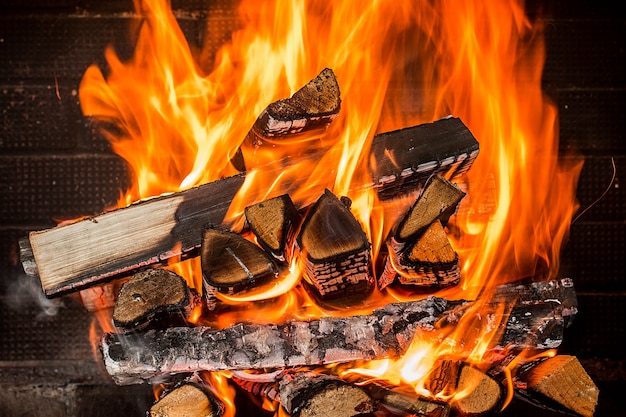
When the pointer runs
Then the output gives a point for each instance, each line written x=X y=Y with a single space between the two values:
x=24 y=291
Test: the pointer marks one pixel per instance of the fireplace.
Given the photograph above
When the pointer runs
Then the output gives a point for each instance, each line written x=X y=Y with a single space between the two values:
x=56 y=167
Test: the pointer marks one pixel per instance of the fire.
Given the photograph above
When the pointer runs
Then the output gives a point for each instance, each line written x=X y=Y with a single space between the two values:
x=179 y=125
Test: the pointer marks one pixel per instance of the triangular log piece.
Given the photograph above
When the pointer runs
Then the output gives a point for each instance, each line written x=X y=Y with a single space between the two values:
x=437 y=202
x=274 y=223
x=154 y=297
x=480 y=393
x=231 y=263
x=309 y=394
x=188 y=400
x=310 y=109
x=336 y=251
x=403 y=160
x=429 y=262
x=563 y=379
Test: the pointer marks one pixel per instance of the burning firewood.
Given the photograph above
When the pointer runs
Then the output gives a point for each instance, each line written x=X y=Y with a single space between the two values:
x=187 y=400
x=402 y=161
x=562 y=380
x=402 y=402
x=310 y=109
x=385 y=333
x=419 y=250
x=480 y=393
x=336 y=251
x=310 y=394
x=114 y=244
x=153 y=296
x=273 y=222
x=231 y=263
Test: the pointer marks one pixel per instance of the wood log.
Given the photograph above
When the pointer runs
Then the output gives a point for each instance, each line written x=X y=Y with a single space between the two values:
x=116 y=243
x=406 y=252
x=477 y=392
x=231 y=263
x=187 y=400
x=274 y=223
x=156 y=298
x=385 y=333
x=310 y=394
x=399 y=401
x=335 y=252
x=402 y=161
x=100 y=297
x=562 y=380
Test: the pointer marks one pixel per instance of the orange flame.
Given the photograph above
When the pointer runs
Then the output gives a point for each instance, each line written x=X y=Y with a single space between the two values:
x=398 y=64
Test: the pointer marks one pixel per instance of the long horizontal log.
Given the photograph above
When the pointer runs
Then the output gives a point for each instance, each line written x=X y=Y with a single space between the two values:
x=385 y=333
x=114 y=244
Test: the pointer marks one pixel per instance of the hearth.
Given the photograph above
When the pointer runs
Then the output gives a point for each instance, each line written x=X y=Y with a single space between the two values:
x=57 y=166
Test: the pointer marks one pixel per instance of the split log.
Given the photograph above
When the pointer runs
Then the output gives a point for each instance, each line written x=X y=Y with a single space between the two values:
x=188 y=400
x=117 y=243
x=309 y=110
x=156 y=298
x=478 y=392
x=310 y=394
x=73 y=256
x=99 y=298
x=436 y=203
x=386 y=333
x=232 y=264
x=402 y=161
x=274 y=223
x=401 y=402
x=335 y=251
x=562 y=380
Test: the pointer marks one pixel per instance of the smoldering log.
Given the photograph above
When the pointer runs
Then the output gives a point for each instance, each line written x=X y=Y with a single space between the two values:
x=309 y=110
x=401 y=402
x=154 y=355
x=116 y=243
x=274 y=223
x=562 y=381
x=335 y=251
x=154 y=297
x=402 y=161
x=386 y=333
x=187 y=400
x=231 y=263
x=310 y=394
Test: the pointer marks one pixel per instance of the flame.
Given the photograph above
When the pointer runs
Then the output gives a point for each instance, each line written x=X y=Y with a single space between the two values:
x=180 y=124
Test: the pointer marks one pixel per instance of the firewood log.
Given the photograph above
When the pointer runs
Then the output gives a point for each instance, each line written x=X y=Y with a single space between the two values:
x=385 y=333
x=335 y=252
x=478 y=392
x=310 y=109
x=419 y=250
x=187 y=400
x=309 y=394
x=399 y=401
x=563 y=380
x=100 y=297
x=402 y=161
x=274 y=223
x=231 y=263
x=154 y=297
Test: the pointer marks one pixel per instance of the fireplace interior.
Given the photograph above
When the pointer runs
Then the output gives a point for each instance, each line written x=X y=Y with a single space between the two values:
x=54 y=165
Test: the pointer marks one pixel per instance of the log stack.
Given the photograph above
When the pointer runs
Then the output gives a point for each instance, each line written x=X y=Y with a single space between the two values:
x=293 y=362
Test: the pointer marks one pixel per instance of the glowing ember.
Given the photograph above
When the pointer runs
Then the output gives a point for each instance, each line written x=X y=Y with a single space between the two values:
x=398 y=64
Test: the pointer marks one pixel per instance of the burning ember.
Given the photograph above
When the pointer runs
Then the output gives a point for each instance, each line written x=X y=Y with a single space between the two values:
x=290 y=136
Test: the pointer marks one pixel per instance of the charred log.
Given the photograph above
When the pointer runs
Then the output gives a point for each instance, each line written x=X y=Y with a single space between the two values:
x=335 y=251
x=151 y=298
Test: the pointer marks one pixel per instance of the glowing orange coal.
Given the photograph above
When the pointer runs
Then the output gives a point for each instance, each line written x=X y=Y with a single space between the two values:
x=398 y=63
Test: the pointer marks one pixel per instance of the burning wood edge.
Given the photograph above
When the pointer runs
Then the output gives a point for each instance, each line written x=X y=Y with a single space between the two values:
x=386 y=333
x=114 y=244
x=188 y=399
